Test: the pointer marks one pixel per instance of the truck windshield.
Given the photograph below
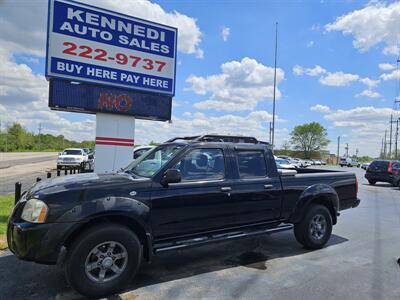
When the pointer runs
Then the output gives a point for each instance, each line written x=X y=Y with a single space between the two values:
x=72 y=152
x=149 y=164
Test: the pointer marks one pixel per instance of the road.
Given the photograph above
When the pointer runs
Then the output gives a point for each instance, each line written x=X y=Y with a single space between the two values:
x=24 y=167
x=360 y=262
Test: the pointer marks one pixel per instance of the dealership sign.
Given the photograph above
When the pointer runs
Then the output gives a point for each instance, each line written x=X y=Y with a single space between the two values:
x=91 y=98
x=94 y=45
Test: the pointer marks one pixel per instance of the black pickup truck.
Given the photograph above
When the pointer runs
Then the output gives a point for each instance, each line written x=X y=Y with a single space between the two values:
x=185 y=192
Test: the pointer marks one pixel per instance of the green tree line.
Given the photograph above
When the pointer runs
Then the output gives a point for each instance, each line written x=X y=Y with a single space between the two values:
x=16 y=138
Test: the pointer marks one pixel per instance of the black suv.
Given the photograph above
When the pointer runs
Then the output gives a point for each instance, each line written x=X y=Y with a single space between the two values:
x=380 y=170
x=186 y=192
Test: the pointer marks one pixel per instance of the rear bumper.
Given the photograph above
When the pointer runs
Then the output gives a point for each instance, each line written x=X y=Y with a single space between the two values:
x=378 y=177
x=349 y=203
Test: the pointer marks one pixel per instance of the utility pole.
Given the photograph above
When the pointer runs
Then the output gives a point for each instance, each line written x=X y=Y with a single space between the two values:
x=381 y=155
x=390 y=138
x=338 y=150
x=347 y=149
x=384 y=145
x=356 y=152
x=273 y=104
x=40 y=131
x=396 y=138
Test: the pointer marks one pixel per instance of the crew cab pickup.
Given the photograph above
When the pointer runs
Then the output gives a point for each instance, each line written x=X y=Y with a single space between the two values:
x=186 y=192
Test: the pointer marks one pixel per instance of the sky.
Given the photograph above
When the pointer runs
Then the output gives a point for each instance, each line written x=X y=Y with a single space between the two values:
x=336 y=65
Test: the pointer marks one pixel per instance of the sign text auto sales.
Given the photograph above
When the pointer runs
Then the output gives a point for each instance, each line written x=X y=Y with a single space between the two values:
x=95 y=45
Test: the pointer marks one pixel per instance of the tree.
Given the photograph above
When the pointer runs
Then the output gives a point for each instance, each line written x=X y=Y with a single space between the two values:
x=286 y=147
x=309 y=138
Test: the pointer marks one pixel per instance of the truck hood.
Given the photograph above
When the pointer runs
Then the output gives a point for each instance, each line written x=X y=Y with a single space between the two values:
x=81 y=182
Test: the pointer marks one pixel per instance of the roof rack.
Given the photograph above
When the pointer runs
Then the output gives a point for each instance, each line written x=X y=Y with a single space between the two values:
x=219 y=138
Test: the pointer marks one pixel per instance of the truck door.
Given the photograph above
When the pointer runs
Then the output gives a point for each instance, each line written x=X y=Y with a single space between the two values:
x=258 y=196
x=200 y=202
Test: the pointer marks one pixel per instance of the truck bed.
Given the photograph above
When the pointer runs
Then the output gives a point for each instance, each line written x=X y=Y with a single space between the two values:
x=344 y=183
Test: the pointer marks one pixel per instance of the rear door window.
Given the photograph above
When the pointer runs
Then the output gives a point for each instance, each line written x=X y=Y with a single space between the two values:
x=251 y=164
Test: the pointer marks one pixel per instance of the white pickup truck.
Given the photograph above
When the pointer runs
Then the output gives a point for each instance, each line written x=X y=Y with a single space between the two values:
x=72 y=157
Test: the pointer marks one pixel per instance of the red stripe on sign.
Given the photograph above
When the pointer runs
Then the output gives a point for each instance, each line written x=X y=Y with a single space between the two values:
x=114 y=144
x=114 y=139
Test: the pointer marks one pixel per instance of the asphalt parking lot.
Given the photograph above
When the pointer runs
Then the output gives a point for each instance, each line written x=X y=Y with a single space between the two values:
x=360 y=262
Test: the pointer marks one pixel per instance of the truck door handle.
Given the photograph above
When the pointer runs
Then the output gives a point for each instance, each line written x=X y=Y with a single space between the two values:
x=268 y=186
x=226 y=189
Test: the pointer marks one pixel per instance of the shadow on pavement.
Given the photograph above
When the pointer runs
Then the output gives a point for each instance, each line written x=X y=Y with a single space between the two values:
x=22 y=280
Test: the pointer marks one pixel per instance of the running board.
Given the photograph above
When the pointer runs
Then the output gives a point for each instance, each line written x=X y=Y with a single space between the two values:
x=204 y=240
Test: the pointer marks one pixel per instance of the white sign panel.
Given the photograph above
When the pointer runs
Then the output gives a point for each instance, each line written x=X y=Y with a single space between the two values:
x=90 y=44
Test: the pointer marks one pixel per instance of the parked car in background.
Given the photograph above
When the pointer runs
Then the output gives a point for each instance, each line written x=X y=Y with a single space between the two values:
x=284 y=164
x=348 y=162
x=365 y=166
x=380 y=171
x=308 y=162
x=293 y=161
x=139 y=151
x=316 y=162
x=396 y=173
x=301 y=162
x=72 y=157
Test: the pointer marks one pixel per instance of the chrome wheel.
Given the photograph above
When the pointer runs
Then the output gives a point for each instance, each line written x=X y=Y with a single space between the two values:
x=318 y=227
x=106 y=261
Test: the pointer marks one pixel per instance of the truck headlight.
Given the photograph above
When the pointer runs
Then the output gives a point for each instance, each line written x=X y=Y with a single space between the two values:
x=35 y=211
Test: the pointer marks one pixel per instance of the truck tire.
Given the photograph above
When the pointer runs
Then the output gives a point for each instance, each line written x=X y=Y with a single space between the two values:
x=103 y=260
x=315 y=229
x=371 y=182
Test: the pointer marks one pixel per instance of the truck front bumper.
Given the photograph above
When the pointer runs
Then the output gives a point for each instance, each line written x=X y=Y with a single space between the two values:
x=40 y=243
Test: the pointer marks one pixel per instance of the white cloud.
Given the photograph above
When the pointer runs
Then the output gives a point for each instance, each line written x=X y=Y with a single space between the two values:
x=310 y=44
x=226 y=31
x=338 y=79
x=334 y=78
x=366 y=124
x=189 y=34
x=254 y=124
x=18 y=35
x=374 y=24
x=369 y=94
x=387 y=67
x=393 y=75
x=320 y=108
x=240 y=86
x=370 y=82
x=317 y=70
x=316 y=27
x=18 y=83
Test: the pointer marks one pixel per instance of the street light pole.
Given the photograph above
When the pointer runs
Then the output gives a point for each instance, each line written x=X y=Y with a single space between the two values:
x=273 y=104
